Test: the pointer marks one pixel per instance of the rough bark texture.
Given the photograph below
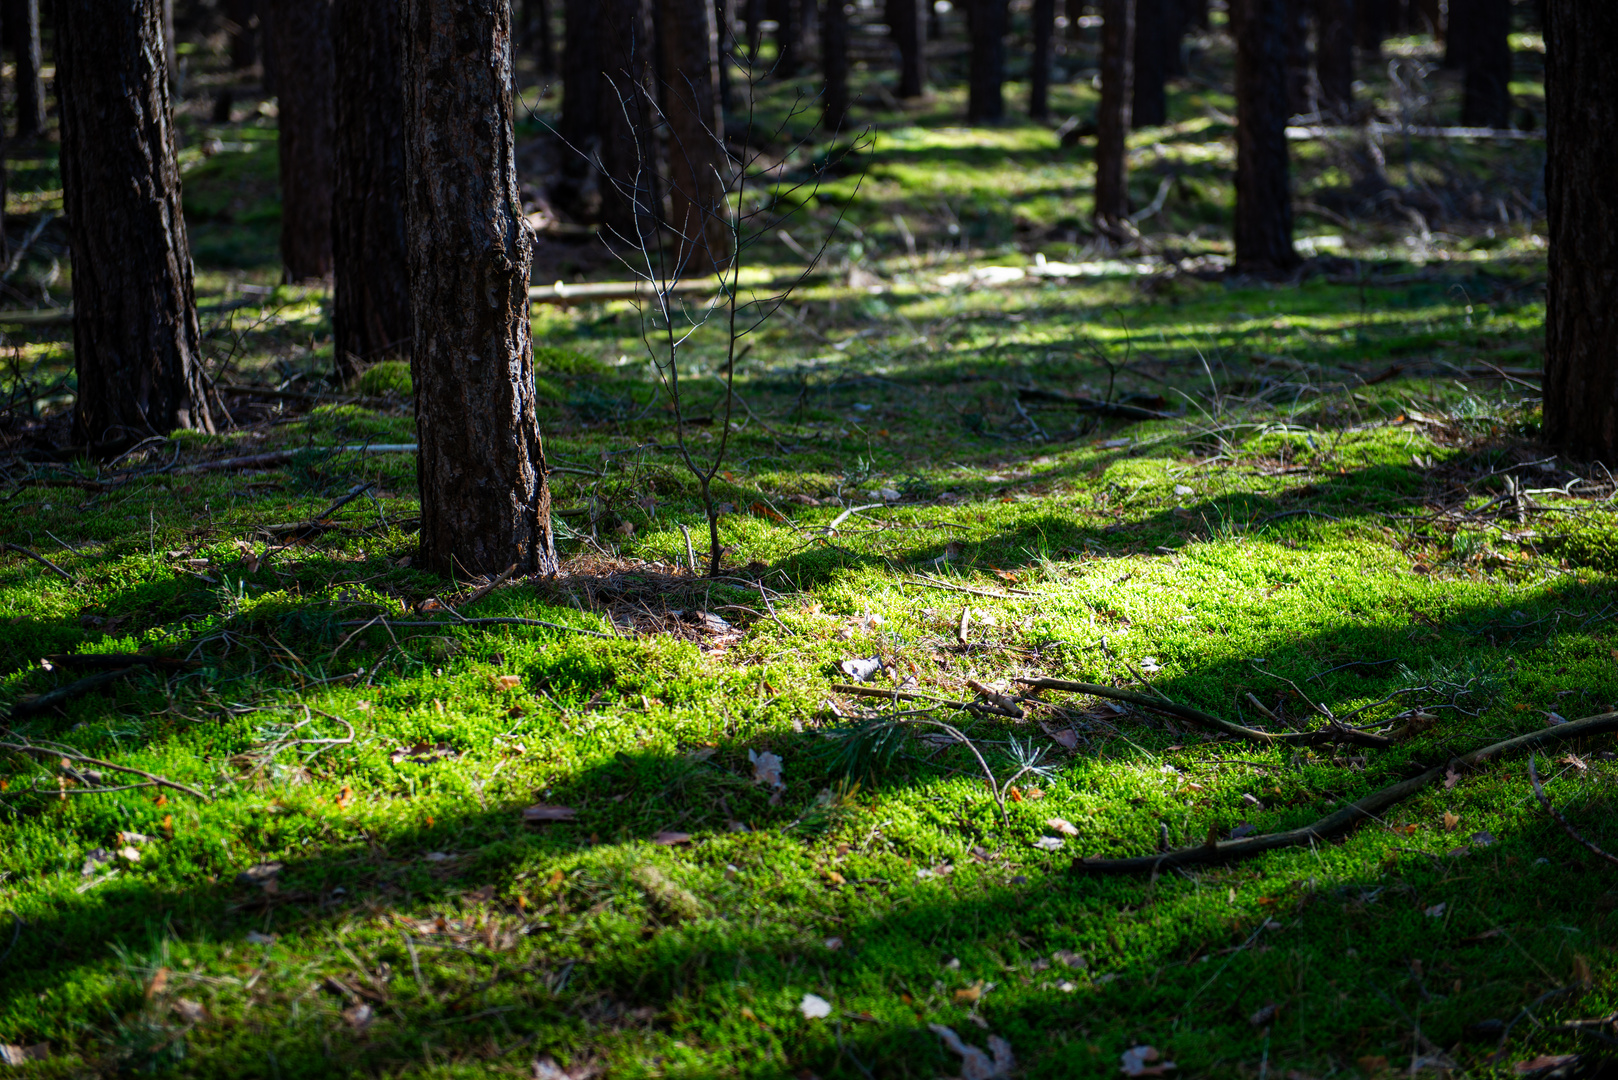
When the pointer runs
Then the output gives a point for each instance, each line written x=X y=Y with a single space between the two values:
x=481 y=468
x=1486 y=98
x=301 y=30
x=696 y=125
x=834 y=62
x=986 y=100
x=1039 y=77
x=630 y=200
x=21 y=33
x=135 y=337
x=1263 y=189
x=906 y=19
x=1113 y=117
x=1581 y=187
x=1149 y=107
x=371 y=272
x=1334 y=56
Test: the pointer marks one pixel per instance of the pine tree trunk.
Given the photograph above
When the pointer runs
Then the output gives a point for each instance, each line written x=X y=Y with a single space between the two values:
x=1581 y=187
x=537 y=32
x=1174 y=18
x=135 y=339
x=1039 y=78
x=1486 y=97
x=630 y=199
x=1299 y=62
x=1457 y=38
x=243 y=27
x=698 y=163
x=1370 y=26
x=754 y=14
x=1334 y=58
x=1196 y=14
x=371 y=269
x=808 y=31
x=834 y=63
x=481 y=468
x=1150 y=105
x=581 y=77
x=22 y=38
x=907 y=21
x=1113 y=117
x=787 y=58
x=1263 y=224
x=301 y=30
x=986 y=101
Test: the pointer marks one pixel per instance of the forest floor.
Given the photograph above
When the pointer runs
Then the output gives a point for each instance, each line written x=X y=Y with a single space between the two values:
x=672 y=833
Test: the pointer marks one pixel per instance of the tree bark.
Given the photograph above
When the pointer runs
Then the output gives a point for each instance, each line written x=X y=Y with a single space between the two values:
x=1150 y=105
x=21 y=26
x=631 y=204
x=696 y=136
x=301 y=30
x=136 y=345
x=1334 y=57
x=1174 y=18
x=481 y=466
x=1581 y=188
x=1039 y=78
x=1113 y=117
x=1263 y=224
x=1486 y=97
x=986 y=102
x=581 y=76
x=834 y=64
x=1457 y=40
x=536 y=20
x=1299 y=65
x=787 y=43
x=1196 y=14
x=907 y=21
x=753 y=13
x=242 y=25
x=371 y=300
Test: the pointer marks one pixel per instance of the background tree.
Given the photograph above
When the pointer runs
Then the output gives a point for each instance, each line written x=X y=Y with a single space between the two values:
x=1581 y=188
x=536 y=34
x=1043 y=15
x=986 y=100
x=1263 y=224
x=1334 y=56
x=907 y=20
x=630 y=200
x=370 y=268
x=241 y=18
x=136 y=344
x=1149 y=106
x=697 y=162
x=1300 y=64
x=834 y=64
x=581 y=74
x=787 y=39
x=1113 y=117
x=481 y=468
x=1486 y=97
x=20 y=24
x=1370 y=26
x=301 y=33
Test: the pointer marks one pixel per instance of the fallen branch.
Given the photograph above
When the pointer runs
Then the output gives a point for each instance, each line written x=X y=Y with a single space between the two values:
x=1342 y=820
x=119 y=661
x=947 y=586
x=56 y=750
x=486 y=588
x=910 y=695
x=38 y=703
x=1090 y=405
x=1544 y=800
x=1332 y=733
x=43 y=561
x=481 y=622
x=272 y=458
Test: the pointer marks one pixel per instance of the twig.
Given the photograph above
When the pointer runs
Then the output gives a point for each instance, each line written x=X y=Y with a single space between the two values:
x=487 y=588
x=934 y=583
x=1544 y=800
x=56 y=750
x=43 y=561
x=119 y=661
x=16 y=932
x=910 y=695
x=840 y=518
x=31 y=706
x=1342 y=820
x=482 y=622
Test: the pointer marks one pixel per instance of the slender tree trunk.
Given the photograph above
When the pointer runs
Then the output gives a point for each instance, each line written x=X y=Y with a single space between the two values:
x=1174 y=18
x=1457 y=38
x=754 y=13
x=1074 y=11
x=1370 y=25
x=1299 y=63
x=1581 y=187
x=581 y=76
x=906 y=20
x=725 y=20
x=301 y=30
x=537 y=34
x=1039 y=79
x=1113 y=118
x=1263 y=188
x=630 y=199
x=834 y=62
x=371 y=270
x=1196 y=14
x=1486 y=97
x=1150 y=107
x=22 y=38
x=136 y=344
x=808 y=41
x=1334 y=57
x=696 y=125
x=986 y=101
x=481 y=468
x=787 y=44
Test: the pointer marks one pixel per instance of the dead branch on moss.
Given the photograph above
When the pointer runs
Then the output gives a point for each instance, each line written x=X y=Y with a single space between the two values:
x=38 y=703
x=1342 y=820
x=1544 y=800
x=1333 y=733
x=66 y=754
x=43 y=561
x=1005 y=708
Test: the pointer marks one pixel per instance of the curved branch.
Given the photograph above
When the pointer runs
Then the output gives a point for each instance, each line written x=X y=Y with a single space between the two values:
x=1544 y=800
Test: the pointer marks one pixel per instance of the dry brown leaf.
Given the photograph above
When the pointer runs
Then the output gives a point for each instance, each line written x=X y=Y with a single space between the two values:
x=969 y=995
x=542 y=812
x=190 y=1011
x=160 y=979
x=1063 y=826
x=1451 y=820
x=360 y=1016
x=22 y=1055
x=344 y=798
x=1066 y=738
x=1543 y=1061
x=670 y=839
x=507 y=682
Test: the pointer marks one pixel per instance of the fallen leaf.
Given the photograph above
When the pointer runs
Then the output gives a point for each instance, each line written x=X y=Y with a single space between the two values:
x=1142 y=1061
x=766 y=768
x=423 y=752
x=1066 y=738
x=22 y=1055
x=1553 y=718
x=344 y=798
x=1033 y=793
x=1573 y=760
x=94 y=861
x=1436 y=911
x=160 y=979
x=1243 y=829
x=814 y=1007
x=190 y=1011
x=1149 y=665
x=969 y=995
x=764 y=510
x=1049 y=843
x=1482 y=839
x=256 y=938
x=260 y=874
x=1581 y=970
x=359 y=1016
x=975 y=1064
x=437 y=856
x=1264 y=1015
x=541 y=812
x=508 y=682
x=862 y=668
x=1062 y=825
x=1543 y=1061
x=1373 y=1064
x=131 y=853
x=1067 y=958
x=1451 y=778
x=670 y=839
x=1451 y=820
x=133 y=838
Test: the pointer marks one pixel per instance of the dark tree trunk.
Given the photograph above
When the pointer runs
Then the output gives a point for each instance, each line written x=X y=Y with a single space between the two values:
x=696 y=127
x=834 y=63
x=986 y=102
x=1073 y=10
x=725 y=20
x=1426 y=18
x=1039 y=78
x=1113 y=117
x=301 y=30
x=481 y=468
x=1334 y=57
x=1370 y=25
x=1150 y=106
x=1299 y=62
x=1263 y=189
x=22 y=38
x=1581 y=187
x=1486 y=98
x=242 y=25
x=905 y=19
x=808 y=40
x=176 y=83
x=754 y=13
x=787 y=43
x=630 y=200
x=1174 y=19
x=1457 y=40
x=935 y=21
x=135 y=339
x=371 y=269
x=536 y=20
x=581 y=77
x=1196 y=14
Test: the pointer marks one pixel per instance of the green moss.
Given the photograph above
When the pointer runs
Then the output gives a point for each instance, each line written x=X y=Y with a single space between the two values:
x=388 y=377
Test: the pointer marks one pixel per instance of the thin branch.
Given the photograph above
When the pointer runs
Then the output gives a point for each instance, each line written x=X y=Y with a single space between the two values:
x=1544 y=800
x=59 y=751
x=43 y=561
